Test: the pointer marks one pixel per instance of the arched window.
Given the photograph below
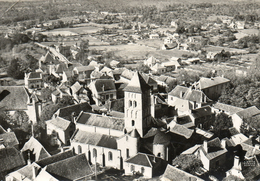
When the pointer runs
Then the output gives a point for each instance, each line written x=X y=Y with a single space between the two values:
x=136 y=115
x=159 y=155
x=79 y=149
x=94 y=152
x=135 y=104
x=110 y=156
x=130 y=103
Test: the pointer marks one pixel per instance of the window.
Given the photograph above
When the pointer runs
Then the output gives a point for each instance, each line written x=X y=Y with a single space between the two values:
x=111 y=96
x=142 y=170
x=132 y=114
x=132 y=168
x=130 y=103
x=159 y=155
x=136 y=115
x=126 y=138
x=135 y=104
x=127 y=153
x=133 y=122
x=94 y=152
x=107 y=97
x=79 y=149
x=110 y=156
x=127 y=113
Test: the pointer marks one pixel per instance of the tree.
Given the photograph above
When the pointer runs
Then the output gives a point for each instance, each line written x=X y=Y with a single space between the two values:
x=221 y=125
x=46 y=94
x=188 y=163
x=14 y=69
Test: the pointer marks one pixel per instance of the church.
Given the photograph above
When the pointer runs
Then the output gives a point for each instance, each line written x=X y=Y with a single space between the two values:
x=113 y=142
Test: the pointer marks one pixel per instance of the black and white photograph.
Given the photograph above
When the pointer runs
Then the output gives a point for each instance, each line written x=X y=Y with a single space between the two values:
x=129 y=90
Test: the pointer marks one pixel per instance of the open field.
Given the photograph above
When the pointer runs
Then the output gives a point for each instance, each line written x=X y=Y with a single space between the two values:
x=151 y=43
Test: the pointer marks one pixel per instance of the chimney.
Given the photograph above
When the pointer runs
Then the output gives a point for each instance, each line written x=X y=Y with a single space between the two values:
x=181 y=94
x=29 y=158
x=8 y=130
x=223 y=143
x=205 y=145
x=33 y=173
x=236 y=163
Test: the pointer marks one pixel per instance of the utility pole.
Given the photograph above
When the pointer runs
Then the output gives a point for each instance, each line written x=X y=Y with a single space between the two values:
x=10 y=8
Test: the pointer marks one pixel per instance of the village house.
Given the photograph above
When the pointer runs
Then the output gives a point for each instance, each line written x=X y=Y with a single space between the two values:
x=83 y=72
x=62 y=127
x=145 y=164
x=239 y=117
x=27 y=102
x=211 y=153
x=103 y=90
x=185 y=99
x=225 y=108
x=154 y=36
x=10 y=160
x=212 y=87
x=72 y=168
x=151 y=61
x=172 y=173
x=158 y=69
x=34 y=151
x=165 y=83
x=33 y=80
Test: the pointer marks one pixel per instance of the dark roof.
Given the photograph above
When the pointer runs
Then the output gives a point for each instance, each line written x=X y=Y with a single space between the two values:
x=71 y=168
x=174 y=174
x=214 y=149
x=9 y=100
x=8 y=139
x=48 y=58
x=180 y=130
x=104 y=85
x=36 y=147
x=134 y=133
x=159 y=136
x=248 y=112
x=85 y=68
x=202 y=111
x=10 y=158
x=101 y=121
x=227 y=108
x=66 y=112
x=59 y=123
x=148 y=79
x=56 y=158
x=35 y=75
x=176 y=92
x=233 y=131
x=210 y=82
x=137 y=84
x=144 y=160
x=94 y=139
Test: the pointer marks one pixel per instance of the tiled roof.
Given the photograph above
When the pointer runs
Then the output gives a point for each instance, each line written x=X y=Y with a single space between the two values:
x=85 y=68
x=196 y=96
x=101 y=121
x=210 y=82
x=10 y=158
x=71 y=168
x=152 y=60
x=59 y=123
x=238 y=138
x=134 y=133
x=227 y=108
x=9 y=139
x=148 y=79
x=248 y=112
x=26 y=171
x=128 y=74
x=204 y=133
x=250 y=150
x=75 y=87
x=159 y=136
x=214 y=149
x=34 y=145
x=180 y=130
x=35 y=75
x=9 y=100
x=174 y=174
x=191 y=150
x=137 y=84
x=55 y=158
x=47 y=58
x=233 y=131
x=104 y=85
x=94 y=139
x=176 y=92
x=66 y=112
x=143 y=159
x=202 y=111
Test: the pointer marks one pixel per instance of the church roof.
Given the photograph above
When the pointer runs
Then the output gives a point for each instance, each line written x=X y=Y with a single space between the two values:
x=137 y=84
x=59 y=123
x=144 y=160
x=134 y=133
